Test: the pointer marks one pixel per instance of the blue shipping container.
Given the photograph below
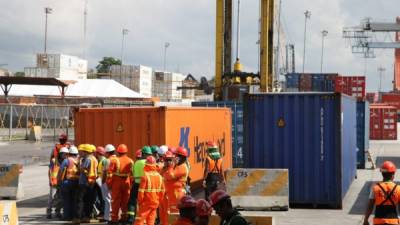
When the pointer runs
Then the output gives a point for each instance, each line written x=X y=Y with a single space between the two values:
x=321 y=83
x=311 y=134
x=292 y=80
x=362 y=132
x=237 y=127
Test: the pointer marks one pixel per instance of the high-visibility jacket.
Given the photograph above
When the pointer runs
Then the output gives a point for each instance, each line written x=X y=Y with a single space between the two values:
x=214 y=166
x=72 y=171
x=183 y=221
x=387 y=198
x=151 y=188
x=138 y=170
x=120 y=167
x=177 y=175
x=101 y=166
x=91 y=170
x=54 y=167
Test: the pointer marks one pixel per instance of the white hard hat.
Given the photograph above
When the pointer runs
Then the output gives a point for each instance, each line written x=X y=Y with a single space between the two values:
x=73 y=150
x=110 y=148
x=162 y=150
x=64 y=150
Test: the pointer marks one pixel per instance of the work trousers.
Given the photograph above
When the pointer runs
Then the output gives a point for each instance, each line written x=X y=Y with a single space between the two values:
x=68 y=190
x=99 y=197
x=212 y=181
x=146 y=214
x=174 y=195
x=54 y=201
x=164 y=210
x=107 y=200
x=86 y=197
x=132 y=203
x=120 y=190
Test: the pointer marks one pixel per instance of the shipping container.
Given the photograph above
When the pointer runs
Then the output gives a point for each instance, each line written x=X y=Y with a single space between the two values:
x=372 y=97
x=383 y=122
x=351 y=85
x=237 y=127
x=362 y=132
x=323 y=82
x=305 y=83
x=136 y=127
x=292 y=80
x=392 y=99
x=311 y=134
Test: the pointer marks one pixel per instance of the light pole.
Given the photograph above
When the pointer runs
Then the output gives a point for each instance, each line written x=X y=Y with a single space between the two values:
x=47 y=11
x=381 y=70
x=124 y=32
x=324 y=34
x=307 y=15
x=166 y=45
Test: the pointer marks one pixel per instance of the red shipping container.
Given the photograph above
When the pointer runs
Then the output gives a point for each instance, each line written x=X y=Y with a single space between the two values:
x=305 y=84
x=392 y=99
x=351 y=85
x=383 y=122
x=372 y=97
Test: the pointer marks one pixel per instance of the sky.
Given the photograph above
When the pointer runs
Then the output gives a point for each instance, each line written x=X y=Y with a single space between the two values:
x=189 y=27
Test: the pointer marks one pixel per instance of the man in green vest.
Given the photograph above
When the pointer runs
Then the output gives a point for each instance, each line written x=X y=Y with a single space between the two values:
x=138 y=172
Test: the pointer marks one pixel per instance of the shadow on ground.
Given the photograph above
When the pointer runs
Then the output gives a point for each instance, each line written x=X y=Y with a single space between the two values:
x=37 y=202
x=361 y=202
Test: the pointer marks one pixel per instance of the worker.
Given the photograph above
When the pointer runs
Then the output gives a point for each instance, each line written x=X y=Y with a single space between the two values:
x=138 y=172
x=203 y=212
x=54 y=200
x=168 y=164
x=187 y=211
x=69 y=183
x=151 y=193
x=222 y=204
x=138 y=155
x=161 y=153
x=102 y=164
x=176 y=177
x=154 y=151
x=213 y=172
x=110 y=155
x=385 y=197
x=120 y=184
x=87 y=181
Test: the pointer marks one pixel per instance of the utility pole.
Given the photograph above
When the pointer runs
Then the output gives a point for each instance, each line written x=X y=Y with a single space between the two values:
x=166 y=45
x=381 y=70
x=307 y=15
x=324 y=34
x=124 y=32
x=47 y=11
x=278 y=43
x=85 y=13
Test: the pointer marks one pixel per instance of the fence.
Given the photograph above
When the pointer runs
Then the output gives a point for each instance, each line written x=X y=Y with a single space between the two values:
x=16 y=120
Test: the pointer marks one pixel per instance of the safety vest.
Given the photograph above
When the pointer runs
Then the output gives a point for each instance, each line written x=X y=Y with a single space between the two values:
x=72 y=169
x=387 y=197
x=214 y=166
x=101 y=167
x=151 y=189
x=181 y=169
x=91 y=172
x=53 y=171
x=118 y=171
x=138 y=170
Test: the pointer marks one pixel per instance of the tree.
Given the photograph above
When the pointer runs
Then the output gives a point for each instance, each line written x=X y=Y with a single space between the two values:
x=106 y=63
x=19 y=74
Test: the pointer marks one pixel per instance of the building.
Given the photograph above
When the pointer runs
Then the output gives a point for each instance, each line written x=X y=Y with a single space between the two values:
x=165 y=86
x=190 y=82
x=58 y=66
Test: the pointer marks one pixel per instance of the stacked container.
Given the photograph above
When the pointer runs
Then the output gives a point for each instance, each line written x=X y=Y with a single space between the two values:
x=372 y=97
x=362 y=132
x=323 y=82
x=311 y=134
x=292 y=82
x=351 y=85
x=383 y=122
x=392 y=99
x=305 y=84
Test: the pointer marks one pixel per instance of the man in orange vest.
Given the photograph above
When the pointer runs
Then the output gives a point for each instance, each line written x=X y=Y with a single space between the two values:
x=175 y=178
x=213 y=172
x=87 y=180
x=54 y=199
x=385 y=197
x=150 y=194
x=187 y=211
x=168 y=164
x=69 y=183
x=119 y=181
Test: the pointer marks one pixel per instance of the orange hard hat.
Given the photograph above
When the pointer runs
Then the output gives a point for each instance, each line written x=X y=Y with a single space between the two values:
x=182 y=151
x=217 y=196
x=187 y=202
x=203 y=208
x=122 y=148
x=388 y=167
x=138 y=153
x=150 y=160
x=100 y=150
x=168 y=155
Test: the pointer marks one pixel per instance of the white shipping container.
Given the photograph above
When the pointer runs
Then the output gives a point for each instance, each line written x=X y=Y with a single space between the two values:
x=62 y=61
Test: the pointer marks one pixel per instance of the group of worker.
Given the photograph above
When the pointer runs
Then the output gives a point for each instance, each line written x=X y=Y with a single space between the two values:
x=87 y=181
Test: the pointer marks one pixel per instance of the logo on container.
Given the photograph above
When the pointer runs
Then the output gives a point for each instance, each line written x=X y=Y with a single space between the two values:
x=184 y=138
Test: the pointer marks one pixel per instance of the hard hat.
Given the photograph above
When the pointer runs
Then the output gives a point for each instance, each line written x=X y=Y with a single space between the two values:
x=73 y=150
x=82 y=147
x=64 y=150
x=138 y=153
x=146 y=150
x=91 y=148
x=388 y=167
x=172 y=150
x=203 y=208
x=168 y=155
x=110 y=148
x=150 y=160
x=100 y=150
x=212 y=144
x=154 y=149
x=122 y=148
x=217 y=196
x=162 y=150
x=187 y=202
x=182 y=151
x=63 y=137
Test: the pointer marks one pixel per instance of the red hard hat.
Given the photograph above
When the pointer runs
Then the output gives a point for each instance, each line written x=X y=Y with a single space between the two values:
x=388 y=167
x=150 y=160
x=138 y=153
x=187 y=202
x=217 y=196
x=212 y=144
x=203 y=208
x=169 y=155
x=100 y=150
x=172 y=150
x=63 y=137
x=182 y=151
x=122 y=148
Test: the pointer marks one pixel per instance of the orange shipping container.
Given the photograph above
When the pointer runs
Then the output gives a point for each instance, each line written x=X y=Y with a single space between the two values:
x=136 y=127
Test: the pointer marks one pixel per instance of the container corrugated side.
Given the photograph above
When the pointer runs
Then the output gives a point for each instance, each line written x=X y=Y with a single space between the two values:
x=311 y=134
x=362 y=132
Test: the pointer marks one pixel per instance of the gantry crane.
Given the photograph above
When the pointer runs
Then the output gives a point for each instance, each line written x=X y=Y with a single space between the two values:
x=224 y=76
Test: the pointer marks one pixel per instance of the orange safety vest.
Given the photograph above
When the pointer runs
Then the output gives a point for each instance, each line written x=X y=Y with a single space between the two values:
x=214 y=166
x=177 y=176
x=53 y=172
x=91 y=172
x=123 y=166
x=387 y=197
x=72 y=169
x=151 y=188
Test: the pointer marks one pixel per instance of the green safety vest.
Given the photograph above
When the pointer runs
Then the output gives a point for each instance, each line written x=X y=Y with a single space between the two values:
x=138 y=170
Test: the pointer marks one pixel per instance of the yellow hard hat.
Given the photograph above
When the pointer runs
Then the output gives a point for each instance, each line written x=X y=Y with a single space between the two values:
x=91 y=148
x=87 y=148
x=82 y=147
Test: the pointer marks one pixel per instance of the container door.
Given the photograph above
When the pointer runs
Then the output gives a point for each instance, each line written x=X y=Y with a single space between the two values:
x=389 y=124
x=376 y=124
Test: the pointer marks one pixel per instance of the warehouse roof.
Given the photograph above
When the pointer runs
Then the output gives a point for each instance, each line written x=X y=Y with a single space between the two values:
x=33 y=81
x=79 y=88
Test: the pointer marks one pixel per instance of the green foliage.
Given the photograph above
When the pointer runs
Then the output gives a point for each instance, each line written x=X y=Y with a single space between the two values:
x=106 y=63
